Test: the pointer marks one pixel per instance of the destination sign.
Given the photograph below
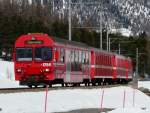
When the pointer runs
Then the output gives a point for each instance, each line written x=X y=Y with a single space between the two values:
x=34 y=42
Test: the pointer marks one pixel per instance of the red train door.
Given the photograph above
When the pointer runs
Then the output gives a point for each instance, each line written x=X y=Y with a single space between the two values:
x=68 y=66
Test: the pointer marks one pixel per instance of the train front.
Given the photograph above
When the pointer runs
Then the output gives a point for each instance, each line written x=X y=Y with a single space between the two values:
x=33 y=58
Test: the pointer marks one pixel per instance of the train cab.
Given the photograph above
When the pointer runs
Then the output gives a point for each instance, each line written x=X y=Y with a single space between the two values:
x=34 y=59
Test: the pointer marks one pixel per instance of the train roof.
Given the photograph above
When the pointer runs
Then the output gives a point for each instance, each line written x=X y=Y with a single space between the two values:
x=99 y=50
x=33 y=38
x=79 y=44
x=110 y=53
x=121 y=56
x=67 y=42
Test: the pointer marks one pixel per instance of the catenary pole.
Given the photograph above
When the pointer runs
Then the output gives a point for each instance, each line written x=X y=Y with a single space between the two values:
x=69 y=20
x=107 y=37
x=119 y=48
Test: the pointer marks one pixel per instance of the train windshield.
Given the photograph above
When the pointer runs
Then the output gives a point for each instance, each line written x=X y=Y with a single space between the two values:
x=24 y=54
x=43 y=54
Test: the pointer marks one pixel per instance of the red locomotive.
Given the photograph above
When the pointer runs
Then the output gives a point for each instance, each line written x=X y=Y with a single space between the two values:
x=41 y=60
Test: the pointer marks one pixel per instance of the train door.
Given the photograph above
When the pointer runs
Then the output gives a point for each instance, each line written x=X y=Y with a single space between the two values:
x=68 y=66
x=92 y=72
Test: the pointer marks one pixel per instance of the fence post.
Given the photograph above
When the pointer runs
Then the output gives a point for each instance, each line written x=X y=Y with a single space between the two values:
x=102 y=96
x=46 y=92
x=133 y=97
x=124 y=98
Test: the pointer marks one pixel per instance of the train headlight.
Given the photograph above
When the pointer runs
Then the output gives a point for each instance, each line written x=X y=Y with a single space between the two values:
x=47 y=70
x=19 y=70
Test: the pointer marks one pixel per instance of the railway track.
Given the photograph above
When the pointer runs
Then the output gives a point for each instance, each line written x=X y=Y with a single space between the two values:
x=145 y=90
x=40 y=89
x=148 y=94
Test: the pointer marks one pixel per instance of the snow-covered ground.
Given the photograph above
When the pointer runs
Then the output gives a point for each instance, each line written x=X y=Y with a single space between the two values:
x=144 y=84
x=66 y=100
x=7 y=79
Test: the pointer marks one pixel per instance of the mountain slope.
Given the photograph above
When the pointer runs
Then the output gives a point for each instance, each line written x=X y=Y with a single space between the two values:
x=131 y=14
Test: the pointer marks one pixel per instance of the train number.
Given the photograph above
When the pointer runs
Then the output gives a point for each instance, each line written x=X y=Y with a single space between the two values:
x=46 y=64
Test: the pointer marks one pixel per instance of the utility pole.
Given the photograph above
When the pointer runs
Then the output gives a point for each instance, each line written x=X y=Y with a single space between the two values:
x=119 y=48
x=135 y=74
x=101 y=32
x=53 y=5
x=137 y=61
x=107 y=36
x=109 y=44
x=82 y=3
x=69 y=20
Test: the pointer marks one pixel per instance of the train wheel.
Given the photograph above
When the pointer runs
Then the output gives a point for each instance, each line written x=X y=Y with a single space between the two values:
x=74 y=85
x=50 y=85
x=78 y=84
x=86 y=84
x=62 y=84
x=93 y=84
x=66 y=84
x=99 y=83
x=30 y=86
x=35 y=86
x=44 y=86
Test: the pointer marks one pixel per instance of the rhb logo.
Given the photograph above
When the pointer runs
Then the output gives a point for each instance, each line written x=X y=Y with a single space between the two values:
x=46 y=64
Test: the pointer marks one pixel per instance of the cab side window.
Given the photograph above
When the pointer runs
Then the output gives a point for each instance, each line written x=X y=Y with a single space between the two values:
x=62 y=55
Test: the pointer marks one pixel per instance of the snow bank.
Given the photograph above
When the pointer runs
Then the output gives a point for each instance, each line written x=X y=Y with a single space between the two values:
x=7 y=70
x=66 y=100
x=145 y=84
x=7 y=79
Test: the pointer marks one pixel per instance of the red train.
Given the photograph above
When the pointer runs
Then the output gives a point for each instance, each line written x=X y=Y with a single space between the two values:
x=41 y=60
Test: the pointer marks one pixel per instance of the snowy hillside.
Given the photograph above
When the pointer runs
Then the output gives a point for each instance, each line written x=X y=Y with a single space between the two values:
x=131 y=14
x=137 y=13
